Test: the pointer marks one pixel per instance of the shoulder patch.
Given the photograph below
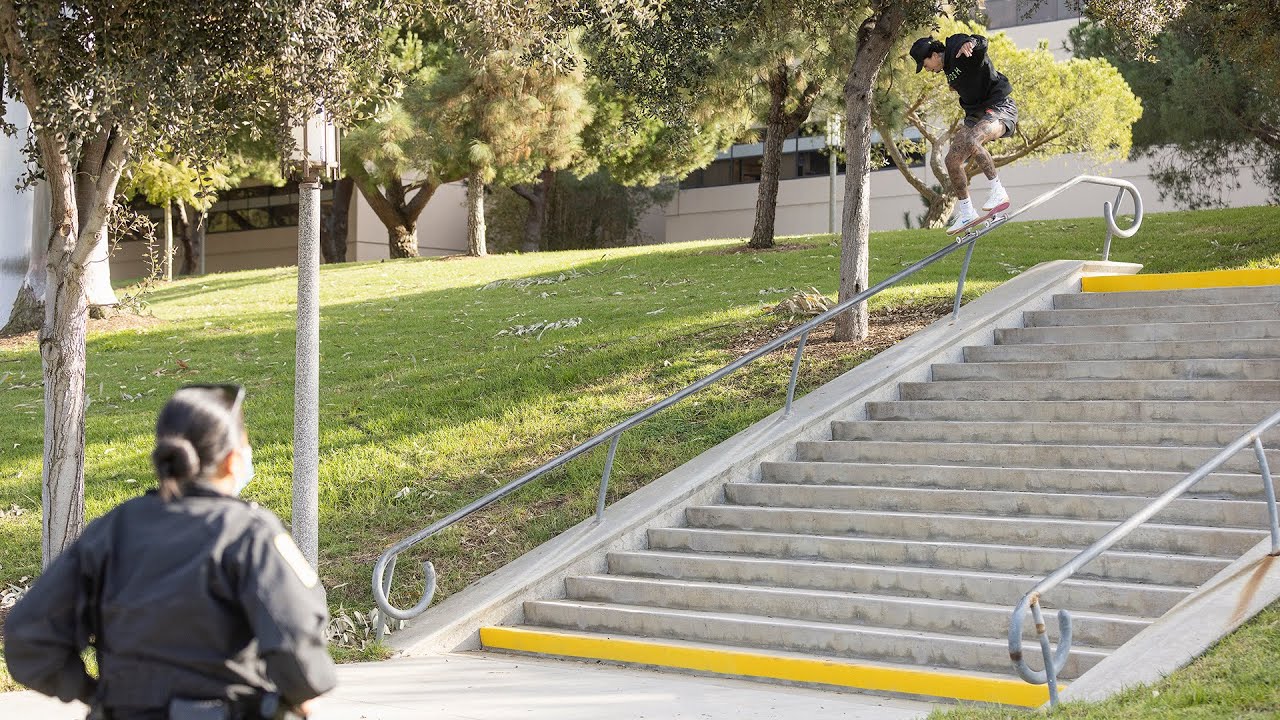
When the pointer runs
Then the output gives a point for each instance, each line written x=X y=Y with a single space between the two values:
x=293 y=558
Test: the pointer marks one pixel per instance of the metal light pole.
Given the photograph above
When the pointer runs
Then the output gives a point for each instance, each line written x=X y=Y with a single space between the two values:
x=834 y=141
x=315 y=156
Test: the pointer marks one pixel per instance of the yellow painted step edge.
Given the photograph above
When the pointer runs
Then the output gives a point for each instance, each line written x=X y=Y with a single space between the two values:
x=762 y=665
x=1180 y=281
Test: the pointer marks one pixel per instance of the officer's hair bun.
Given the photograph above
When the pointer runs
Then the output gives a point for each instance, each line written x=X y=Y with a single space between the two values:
x=177 y=463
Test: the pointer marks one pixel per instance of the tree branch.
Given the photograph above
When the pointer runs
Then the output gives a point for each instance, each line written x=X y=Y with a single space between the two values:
x=413 y=208
x=901 y=163
x=104 y=196
x=935 y=163
x=382 y=207
x=804 y=106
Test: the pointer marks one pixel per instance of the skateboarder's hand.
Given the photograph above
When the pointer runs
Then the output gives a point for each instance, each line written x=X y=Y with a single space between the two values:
x=966 y=50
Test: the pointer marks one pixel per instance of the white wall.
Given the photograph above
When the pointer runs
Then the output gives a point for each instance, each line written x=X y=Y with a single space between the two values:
x=15 y=212
x=729 y=211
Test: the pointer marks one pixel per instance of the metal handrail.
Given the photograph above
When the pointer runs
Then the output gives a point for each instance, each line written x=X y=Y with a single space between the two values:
x=384 y=568
x=1054 y=660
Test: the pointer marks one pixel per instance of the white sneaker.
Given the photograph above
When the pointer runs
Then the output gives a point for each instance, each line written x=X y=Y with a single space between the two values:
x=962 y=220
x=997 y=198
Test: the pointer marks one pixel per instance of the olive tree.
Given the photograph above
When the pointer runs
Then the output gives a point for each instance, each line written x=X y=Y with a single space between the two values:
x=106 y=82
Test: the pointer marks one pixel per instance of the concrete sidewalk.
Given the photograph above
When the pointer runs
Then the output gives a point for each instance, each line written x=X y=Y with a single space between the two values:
x=474 y=686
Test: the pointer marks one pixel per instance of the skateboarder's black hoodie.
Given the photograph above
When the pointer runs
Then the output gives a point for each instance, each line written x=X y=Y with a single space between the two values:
x=974 y=78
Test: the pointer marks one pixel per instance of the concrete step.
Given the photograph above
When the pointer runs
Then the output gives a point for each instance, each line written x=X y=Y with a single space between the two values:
x=1157 y=298
x=1154 y=314
x=1142 y=332
x=1139 y=599
x=1134 y=567
x=1156 y=350
x=1091 y=390
x=1057 y=433
x=830 y=639
x=1113 y=457
x=768 y=664
x=951 y=617
x=1094 y=411
x=1228 y=486
x=1032 y=532
x=1261 y=369
x=1116 y=508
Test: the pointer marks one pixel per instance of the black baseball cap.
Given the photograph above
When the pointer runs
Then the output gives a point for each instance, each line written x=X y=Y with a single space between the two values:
x=922 y=49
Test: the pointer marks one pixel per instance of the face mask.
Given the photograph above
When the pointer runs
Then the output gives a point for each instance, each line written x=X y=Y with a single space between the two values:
x=246 y=469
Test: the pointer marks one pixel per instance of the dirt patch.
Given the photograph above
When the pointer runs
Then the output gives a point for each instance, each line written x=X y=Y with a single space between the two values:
x=744 y=249
x=887 y=327
x=115 y=323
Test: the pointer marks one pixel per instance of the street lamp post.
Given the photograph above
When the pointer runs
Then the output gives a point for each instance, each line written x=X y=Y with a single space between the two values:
x=315 y=157
x=834 y=141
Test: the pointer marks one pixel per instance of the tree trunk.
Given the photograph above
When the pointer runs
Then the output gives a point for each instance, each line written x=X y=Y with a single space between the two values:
x=191 y=230
x=62 y=351
x=403 y=240
x=940 y=207
x=97 y=280
x=875 y=38
x=775 y=135
x=537 y=194
x=475 y=216
x=333 y=239
x=199 y=240
x=398 y=214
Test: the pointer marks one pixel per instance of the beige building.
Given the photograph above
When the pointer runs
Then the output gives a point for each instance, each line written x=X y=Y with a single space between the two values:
x=257 y=227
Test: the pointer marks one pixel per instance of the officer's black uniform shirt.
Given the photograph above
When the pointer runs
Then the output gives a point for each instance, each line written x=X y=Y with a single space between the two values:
x=974 y=78
x=202 y=597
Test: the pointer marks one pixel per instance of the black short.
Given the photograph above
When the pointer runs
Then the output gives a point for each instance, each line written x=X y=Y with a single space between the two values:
x=1005 y=111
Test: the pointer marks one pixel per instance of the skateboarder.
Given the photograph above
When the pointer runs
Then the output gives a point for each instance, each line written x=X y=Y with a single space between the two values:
x=990 y=114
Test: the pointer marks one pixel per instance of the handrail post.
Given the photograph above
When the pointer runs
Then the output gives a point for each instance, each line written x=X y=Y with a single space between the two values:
x=1108 y=210
x=964 y=273
x=1050 y=668
x=795 y=374
x=604 y=479
x=1270 y=490
x=386 y=590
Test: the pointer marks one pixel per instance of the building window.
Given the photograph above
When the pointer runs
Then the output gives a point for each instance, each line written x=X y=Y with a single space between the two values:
x=258 y=207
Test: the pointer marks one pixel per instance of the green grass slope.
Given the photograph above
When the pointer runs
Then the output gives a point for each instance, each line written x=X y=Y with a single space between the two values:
x=433 y=393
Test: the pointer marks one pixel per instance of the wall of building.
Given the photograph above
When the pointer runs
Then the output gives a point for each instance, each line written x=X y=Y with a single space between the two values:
x=15 y=212
x=228 y=251
x=729 y=211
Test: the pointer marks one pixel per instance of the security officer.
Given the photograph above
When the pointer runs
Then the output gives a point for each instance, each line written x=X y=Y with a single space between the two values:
x=198 y=604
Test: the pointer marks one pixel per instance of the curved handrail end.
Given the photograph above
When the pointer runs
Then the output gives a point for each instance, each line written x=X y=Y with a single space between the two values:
x=383 y=572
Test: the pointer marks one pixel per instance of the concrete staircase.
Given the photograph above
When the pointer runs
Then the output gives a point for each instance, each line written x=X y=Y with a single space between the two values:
x=890 y=557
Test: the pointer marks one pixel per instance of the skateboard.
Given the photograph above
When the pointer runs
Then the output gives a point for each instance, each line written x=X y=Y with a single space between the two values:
x=994 y=215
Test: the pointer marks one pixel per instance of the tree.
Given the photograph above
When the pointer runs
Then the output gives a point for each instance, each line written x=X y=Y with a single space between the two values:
x=507 y=121
x=1210 y=106
x=1073 y=106
x=106 y=83
x=622 y=148
x=789 y=58
x=392 y=156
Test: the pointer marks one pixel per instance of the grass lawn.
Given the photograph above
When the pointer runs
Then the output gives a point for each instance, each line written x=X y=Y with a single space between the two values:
x=431 y=397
